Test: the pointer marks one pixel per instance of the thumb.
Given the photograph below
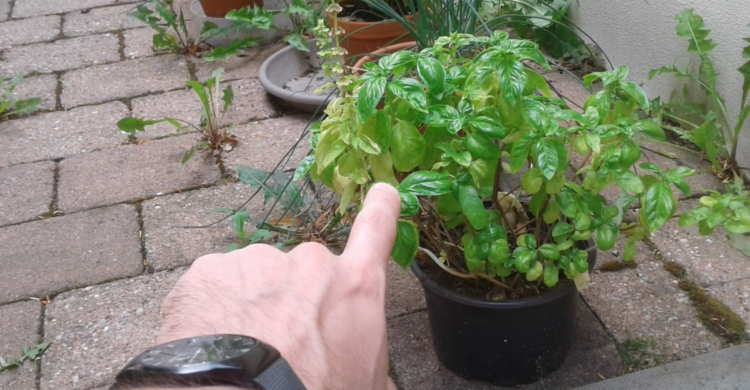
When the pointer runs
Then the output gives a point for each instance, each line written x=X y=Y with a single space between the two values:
x=374 y=229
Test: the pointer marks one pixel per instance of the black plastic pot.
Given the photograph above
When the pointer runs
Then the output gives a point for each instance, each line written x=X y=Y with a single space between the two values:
x=507 y=343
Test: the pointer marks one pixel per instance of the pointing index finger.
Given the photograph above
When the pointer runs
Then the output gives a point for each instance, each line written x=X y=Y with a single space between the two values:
x=374 y=229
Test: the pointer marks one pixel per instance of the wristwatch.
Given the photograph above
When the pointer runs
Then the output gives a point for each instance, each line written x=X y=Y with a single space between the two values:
x=214 y=360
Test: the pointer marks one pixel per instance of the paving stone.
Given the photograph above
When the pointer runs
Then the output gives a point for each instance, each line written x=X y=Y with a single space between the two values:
x=61 y=134
x=139 y=42
x=416 y=366
x=4 y=10
x=88 y=180
x=98 y=20
x=645 y=303
x=244 y=67
x=57 y=254
x=183 y=104
x=123 y=79
x=251 y=102
x=32 y=30
x=18 y=328
x=263 y=144
x=404 y=293
x=736 y=295
x=571 y=89
x=63 y=54
x=43 y=87
x=96 y=330
x=26 y=191
x=708 y=259
x=169 y=245
x=26 y=8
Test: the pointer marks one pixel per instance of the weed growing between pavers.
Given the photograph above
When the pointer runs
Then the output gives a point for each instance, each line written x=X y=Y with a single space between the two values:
x=639 y=354
x=717 y=317
x=30 y=354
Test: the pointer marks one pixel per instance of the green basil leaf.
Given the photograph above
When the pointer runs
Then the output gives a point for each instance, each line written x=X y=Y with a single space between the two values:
x=650 y=128
x=658 y=205
x=532 y=180
x=556 y=184
x=566 y=201
x=489 y=127
x=303 y=167
x=409 y=204
x=426 y=183
x=694 y=216
x=481 y=146
x=406 y=245
x=552 y=212
x=441 y=115
x=512 y=78
x=551 y=275
x=547 y=157
x=472 y=207
x=606 y=235
x=628 y=181
x=535 y=272
x=629 y=154
x=549 y=251
x=628 y=253
x=432 y=73
x=369 y=96
x=580 y=261
x=636 y=92
x=561 y=231
x=522 y=260
x=499 y=252
x=411 y=91
x=407 y=146
x=520 y=151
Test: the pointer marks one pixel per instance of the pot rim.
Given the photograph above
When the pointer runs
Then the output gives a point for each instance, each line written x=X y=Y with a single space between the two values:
x=436 y=288
x=390 y=49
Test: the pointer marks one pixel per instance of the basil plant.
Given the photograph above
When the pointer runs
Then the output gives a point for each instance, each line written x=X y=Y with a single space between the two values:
x=446 y=124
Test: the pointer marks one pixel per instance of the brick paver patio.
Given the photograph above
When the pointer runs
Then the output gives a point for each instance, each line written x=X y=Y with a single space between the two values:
x=93 y=219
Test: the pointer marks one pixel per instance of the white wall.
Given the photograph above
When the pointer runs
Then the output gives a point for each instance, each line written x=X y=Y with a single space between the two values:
x=641 y=35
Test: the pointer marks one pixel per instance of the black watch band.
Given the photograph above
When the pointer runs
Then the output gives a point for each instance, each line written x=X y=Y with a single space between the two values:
x=234 y=360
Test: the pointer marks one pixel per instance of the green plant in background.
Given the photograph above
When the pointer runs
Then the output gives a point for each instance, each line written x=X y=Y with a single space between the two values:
x=546 y=23
x=9 y=105
x=732 y=210
x=542 y=21
x=432 y=19
x=712 y=130
x=215 y=101
x=304 y=19
x=172 y=33
x=458 y=117
x=30 y=354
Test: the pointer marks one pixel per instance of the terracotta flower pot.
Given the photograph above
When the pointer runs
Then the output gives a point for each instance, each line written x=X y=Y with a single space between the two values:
x=390 y=49
x=366 y=37
x=219 y=8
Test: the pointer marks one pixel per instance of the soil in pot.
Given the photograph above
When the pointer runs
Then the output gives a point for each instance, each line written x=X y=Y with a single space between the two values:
x=219 y=8
x=507 y=342
x=365 y=32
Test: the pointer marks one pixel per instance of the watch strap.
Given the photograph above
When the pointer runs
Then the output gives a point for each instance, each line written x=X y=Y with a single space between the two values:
x=279 y=376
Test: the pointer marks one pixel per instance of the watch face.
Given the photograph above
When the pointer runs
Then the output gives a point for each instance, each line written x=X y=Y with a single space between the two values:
x=195 y=353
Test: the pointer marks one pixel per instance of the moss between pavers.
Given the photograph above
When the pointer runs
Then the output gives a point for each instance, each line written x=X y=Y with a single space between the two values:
x=640 y=354
x=614 y=266
x=717 y=317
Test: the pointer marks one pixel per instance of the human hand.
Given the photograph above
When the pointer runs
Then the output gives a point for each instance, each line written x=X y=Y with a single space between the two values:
x=324 y=313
